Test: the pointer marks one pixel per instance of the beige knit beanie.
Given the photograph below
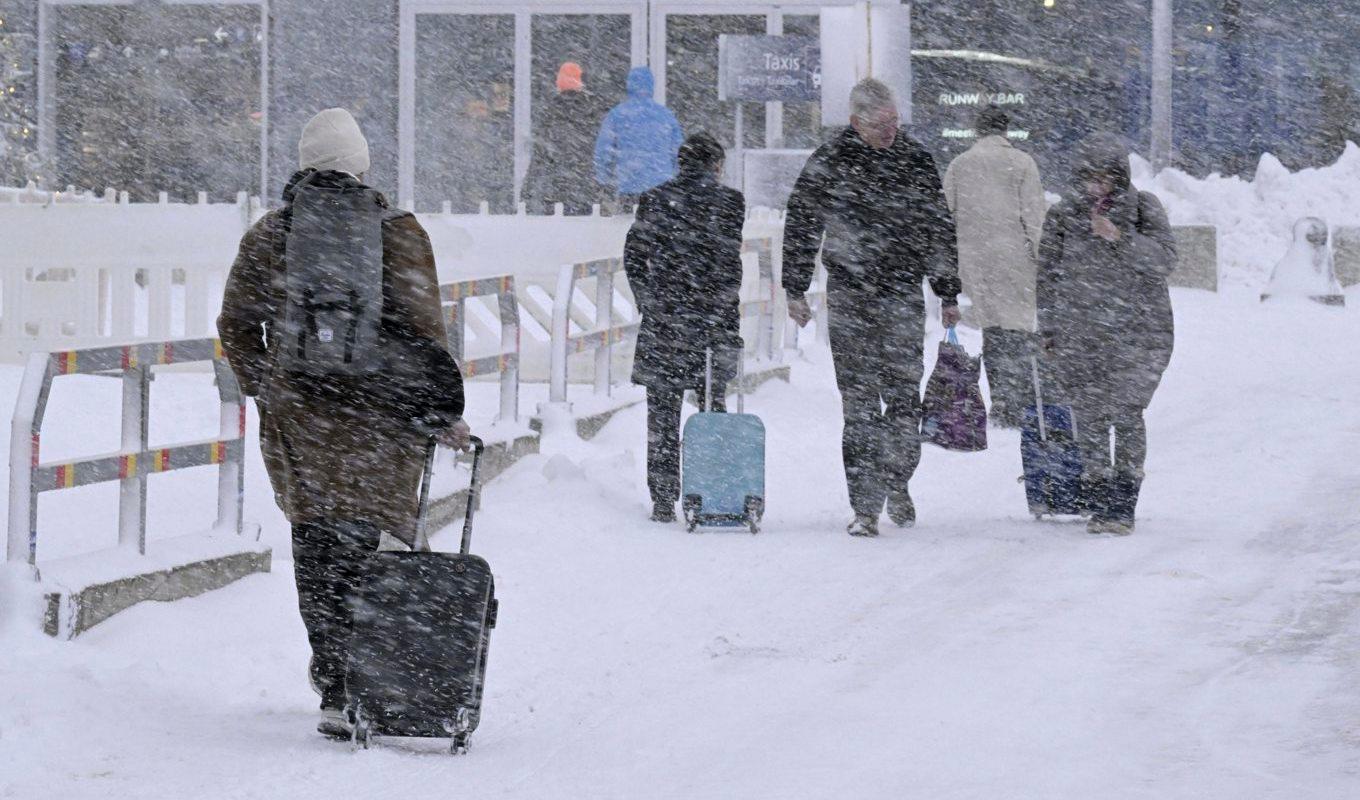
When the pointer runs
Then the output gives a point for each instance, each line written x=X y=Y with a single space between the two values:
x=332 y=141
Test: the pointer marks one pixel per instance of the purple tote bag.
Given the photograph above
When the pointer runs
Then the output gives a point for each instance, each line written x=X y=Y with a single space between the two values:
x=953 y=414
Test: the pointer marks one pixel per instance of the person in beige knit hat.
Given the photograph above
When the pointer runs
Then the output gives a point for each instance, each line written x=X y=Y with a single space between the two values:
x=344 y=452
x=331 y=140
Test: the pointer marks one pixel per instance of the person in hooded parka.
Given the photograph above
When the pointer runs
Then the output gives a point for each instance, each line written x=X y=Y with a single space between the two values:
x=562 y=166
x=636 y=147
x=344 y=452
x=1104 y=313
x=683 y=259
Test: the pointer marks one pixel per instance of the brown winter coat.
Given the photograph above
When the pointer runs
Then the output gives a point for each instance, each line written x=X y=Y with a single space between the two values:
x=343 y=456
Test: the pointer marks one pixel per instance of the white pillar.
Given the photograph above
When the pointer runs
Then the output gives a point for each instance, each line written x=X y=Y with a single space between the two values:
x=1162 y=42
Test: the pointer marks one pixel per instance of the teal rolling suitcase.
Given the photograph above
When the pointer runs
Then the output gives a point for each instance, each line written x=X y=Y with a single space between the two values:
x=722 y=465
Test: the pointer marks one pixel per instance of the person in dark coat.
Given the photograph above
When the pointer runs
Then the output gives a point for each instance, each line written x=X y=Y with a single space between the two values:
x=683 y=259
x=1105 y=319
x=344 y=455
x=871 y=201
x=562 y=164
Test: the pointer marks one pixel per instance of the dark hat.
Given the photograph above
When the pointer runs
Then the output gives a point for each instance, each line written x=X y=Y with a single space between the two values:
x=1104 y=155
x=992 y=121
x=700 y=153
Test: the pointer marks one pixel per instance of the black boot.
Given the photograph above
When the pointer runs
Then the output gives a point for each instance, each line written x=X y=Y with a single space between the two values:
x=1093 y=499
x=1120 y=498
x=901 y=510
x=663 y=512
x=1124 y=490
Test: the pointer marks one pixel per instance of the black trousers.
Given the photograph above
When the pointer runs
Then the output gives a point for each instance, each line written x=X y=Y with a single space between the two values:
x=1113 y=445
x=328 y=560
x=876 y=343
x=663 y=440
x=1006 y=356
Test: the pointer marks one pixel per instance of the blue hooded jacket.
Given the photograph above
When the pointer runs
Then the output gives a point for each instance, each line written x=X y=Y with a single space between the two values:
x=637 y=146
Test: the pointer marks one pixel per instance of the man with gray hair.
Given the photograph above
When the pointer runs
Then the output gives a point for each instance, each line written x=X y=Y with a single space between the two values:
x=870 y=201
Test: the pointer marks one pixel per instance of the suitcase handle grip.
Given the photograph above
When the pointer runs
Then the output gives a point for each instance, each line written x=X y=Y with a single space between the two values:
x=474 y=493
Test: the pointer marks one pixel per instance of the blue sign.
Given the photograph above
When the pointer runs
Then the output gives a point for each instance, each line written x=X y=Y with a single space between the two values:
x=767 y=69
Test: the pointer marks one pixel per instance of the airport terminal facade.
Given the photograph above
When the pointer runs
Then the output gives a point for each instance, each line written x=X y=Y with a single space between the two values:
x=180 y=96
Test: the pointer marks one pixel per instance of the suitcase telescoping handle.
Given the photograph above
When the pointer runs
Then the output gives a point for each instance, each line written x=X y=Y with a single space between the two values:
x=1039 y=399
x=474 y=493
x=741 y=380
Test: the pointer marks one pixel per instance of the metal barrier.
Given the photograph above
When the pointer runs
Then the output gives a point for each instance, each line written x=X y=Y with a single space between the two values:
x=600 y=339
x=136 y=272
x=766 y=291
x=605 y=331
x=29 y=477
x=454 y=298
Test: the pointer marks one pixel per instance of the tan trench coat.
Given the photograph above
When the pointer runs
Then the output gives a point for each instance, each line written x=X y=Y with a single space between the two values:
x=998 y=202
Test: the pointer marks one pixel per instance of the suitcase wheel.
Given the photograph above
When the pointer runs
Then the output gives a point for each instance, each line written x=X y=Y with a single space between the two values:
x=755 y=510
x=363 y=732
x=691 y=506
x=460 y=731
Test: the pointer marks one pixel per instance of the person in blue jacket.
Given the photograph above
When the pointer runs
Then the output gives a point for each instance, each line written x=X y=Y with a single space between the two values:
x=638 y=142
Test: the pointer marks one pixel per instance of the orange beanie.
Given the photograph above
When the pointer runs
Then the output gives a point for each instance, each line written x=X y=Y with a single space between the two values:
x=569 y=78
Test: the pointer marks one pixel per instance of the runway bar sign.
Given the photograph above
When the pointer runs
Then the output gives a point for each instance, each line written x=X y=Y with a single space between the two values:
x=767 y=69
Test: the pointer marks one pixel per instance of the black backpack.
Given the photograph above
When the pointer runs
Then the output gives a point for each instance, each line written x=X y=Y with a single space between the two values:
x=330 y=319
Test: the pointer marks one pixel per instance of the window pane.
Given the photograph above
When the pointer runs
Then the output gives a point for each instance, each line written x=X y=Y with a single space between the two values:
x=802 y=121
x=601 y=45
x=464 y=108
x=156 y=97
x=692 y=77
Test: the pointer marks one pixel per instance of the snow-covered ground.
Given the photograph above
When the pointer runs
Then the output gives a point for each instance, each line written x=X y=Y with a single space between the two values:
x=1214 y=654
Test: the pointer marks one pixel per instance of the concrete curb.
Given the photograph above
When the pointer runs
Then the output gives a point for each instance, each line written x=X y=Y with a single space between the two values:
x=591 y=424
x=588 y=426
x=72 y=612
x=498 y=457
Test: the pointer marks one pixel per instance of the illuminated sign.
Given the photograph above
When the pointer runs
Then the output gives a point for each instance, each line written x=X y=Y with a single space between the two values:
x=767 y=69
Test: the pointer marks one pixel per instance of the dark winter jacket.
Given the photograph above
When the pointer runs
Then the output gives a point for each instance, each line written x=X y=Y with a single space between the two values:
x=561 y=168
x=683 y=258
x=883 y=215
x=638 y=142
x=345 y=449
x=1104 y=307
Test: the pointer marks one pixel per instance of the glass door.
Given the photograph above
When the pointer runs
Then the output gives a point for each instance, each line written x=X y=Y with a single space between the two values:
x=464 y=112
x=158 y=97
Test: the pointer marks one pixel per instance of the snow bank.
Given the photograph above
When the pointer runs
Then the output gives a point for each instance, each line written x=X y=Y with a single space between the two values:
x=1255 y=219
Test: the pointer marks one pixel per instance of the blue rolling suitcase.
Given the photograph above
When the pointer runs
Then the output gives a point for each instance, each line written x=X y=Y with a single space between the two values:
x=722 y=465
x=1048 y=448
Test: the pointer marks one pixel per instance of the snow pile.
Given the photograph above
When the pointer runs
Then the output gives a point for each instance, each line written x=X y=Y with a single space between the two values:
x=1306 y=270
x=1255 y=219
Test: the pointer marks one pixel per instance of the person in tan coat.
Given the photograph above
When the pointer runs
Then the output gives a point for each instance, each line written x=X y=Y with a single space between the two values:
x=344 y=453
x=998 y=202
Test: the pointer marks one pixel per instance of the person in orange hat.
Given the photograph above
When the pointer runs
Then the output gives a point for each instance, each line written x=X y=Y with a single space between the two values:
x=569 y=78
x=561 y=168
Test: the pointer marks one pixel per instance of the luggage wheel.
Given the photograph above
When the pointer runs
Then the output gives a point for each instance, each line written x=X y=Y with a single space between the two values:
x=690 y=507
x=461 y=730
x=755 y=509
x=363 y=732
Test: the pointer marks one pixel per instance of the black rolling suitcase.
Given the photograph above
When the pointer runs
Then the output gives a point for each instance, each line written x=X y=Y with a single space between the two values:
x=422 y=623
